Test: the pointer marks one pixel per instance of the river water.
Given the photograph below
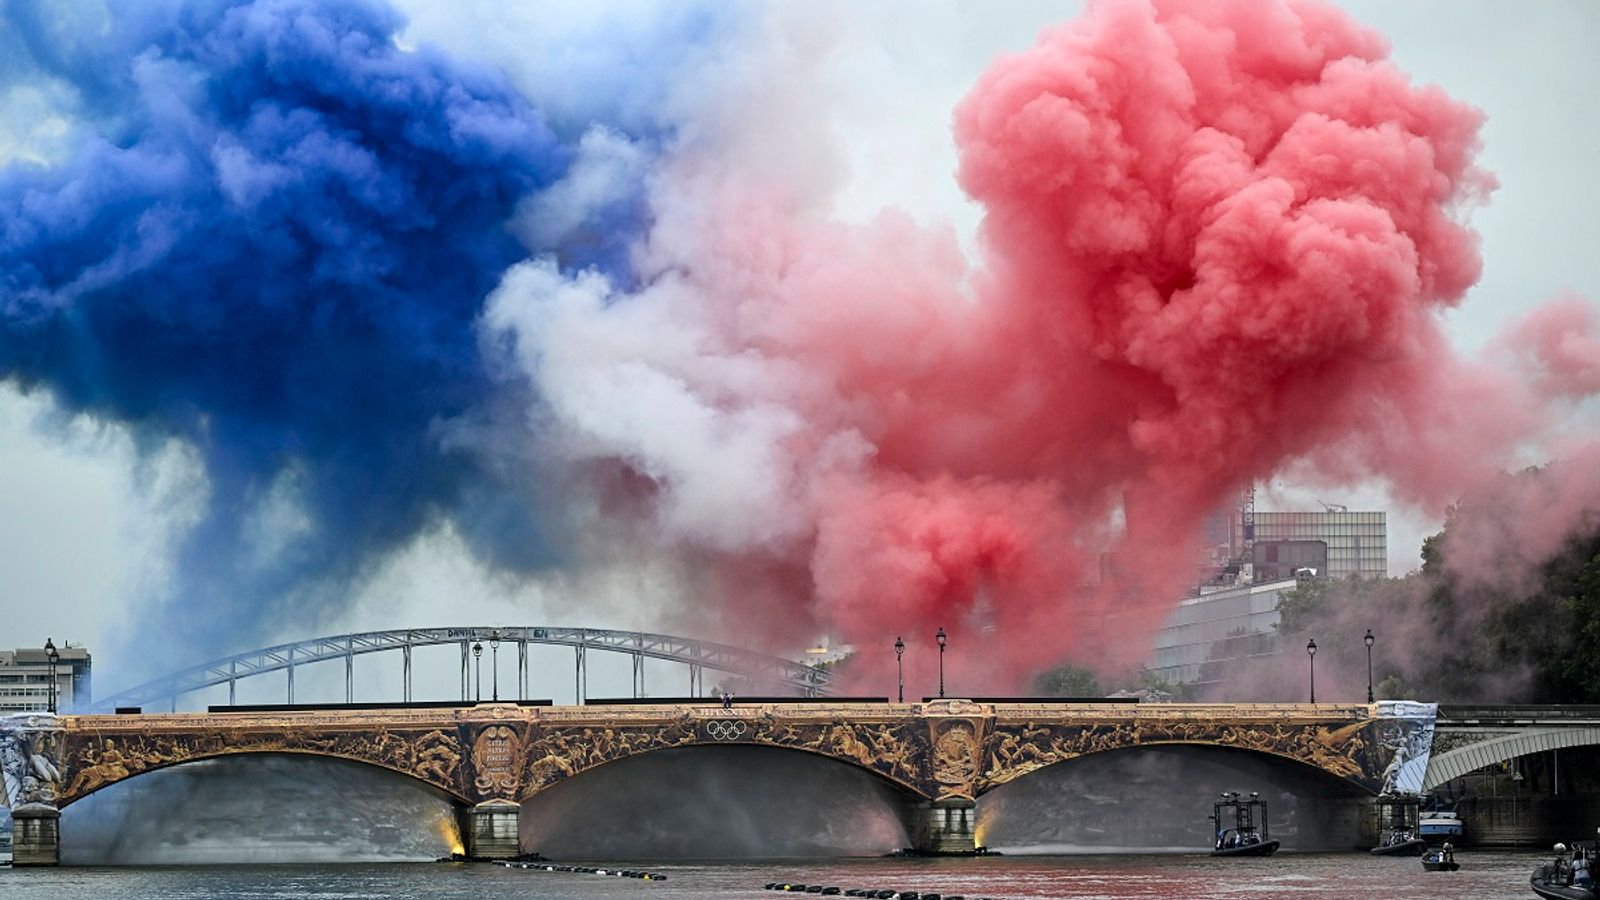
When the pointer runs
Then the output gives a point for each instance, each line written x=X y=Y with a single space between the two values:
x=1302 y=876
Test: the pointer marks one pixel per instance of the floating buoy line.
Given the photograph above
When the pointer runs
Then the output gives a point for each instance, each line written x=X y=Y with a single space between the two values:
x=795 y=887
x=585 y=870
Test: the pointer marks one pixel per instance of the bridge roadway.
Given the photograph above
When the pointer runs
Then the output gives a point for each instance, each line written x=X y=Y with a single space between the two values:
x=488 y=758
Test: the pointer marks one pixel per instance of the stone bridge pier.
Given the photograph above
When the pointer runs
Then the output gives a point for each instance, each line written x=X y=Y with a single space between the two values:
x=489 y=830
x=942 y=827
x=939 y=756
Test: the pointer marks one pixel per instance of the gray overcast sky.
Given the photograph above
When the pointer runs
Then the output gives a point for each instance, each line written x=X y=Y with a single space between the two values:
x=82 y=523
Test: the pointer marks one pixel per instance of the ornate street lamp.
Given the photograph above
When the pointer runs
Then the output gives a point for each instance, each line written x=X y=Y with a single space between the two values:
x=52 y=656
x=1311 y=654
x=1369 y=640
x=900 y=666
x=477 y=657
x=494 y=662
x=940 y=637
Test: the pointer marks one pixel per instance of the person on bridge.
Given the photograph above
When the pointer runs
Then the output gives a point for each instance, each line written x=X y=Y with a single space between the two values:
x=727 y=700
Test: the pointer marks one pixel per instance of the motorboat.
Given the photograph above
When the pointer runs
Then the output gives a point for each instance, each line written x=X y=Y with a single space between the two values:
x=1547 y=882
x=1397 y=823
x=1440 y=825
x=1568 y=876
x=1440 y=860
x=1241 y=826
x=1400 y=843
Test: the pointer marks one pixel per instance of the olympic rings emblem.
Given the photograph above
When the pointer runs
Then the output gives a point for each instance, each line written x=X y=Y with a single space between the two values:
x=725 y=729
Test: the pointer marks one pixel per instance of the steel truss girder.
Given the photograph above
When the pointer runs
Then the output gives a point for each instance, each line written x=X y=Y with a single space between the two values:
x=760 y=667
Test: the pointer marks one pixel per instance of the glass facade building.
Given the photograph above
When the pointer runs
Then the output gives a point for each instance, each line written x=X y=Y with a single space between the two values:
x=1206 y=631
x=1357 y=542
x=1276 y=560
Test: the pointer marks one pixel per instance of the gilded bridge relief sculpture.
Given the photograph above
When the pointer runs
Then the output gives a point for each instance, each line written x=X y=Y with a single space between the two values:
x=1016 y=750
x=518 y=752
x=942 y=755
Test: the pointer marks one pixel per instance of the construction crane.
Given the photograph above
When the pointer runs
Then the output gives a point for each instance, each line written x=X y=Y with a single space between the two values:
x=1241 y=541
x=1247 y=524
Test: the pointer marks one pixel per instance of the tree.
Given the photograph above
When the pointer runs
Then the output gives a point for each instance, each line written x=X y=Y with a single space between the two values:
x=1068 y=681
x=1526 y=633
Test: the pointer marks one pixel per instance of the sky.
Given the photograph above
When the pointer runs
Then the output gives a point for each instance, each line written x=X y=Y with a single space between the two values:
x=93 y=518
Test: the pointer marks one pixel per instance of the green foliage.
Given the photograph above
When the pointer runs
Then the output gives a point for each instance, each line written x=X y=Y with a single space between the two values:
x=1162 y=689
x=1575 y=582
x=1303 y=606
x=1526 y=637
x=1068 y=681
x=1393 y=688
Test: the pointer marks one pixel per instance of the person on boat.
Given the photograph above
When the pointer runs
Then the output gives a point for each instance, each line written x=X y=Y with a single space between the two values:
x=1449 y=853
x=1563 y=867
x=1581 y=876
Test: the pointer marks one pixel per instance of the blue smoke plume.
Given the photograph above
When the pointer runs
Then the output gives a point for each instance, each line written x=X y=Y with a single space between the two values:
x=270 y=237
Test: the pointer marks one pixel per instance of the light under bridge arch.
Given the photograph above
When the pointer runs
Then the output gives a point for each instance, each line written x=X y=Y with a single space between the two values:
x=1452 y=764
x=764 y=669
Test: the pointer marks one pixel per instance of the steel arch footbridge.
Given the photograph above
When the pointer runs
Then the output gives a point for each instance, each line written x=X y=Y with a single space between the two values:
x=764 y=669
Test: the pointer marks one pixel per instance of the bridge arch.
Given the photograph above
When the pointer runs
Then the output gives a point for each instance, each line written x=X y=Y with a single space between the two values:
x=697 y=656
x=86 y=781
x=750 y=801
x=1452 y=764
x=886 y=746
x=1354 y=783
x=1344 y=743
x=908 y=789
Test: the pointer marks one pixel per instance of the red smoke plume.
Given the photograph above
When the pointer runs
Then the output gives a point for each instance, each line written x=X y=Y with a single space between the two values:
x=1217 y=236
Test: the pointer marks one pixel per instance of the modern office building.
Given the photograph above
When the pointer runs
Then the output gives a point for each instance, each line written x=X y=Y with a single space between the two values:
x=1277 y=560
x=1208 y=630
x=1357 y=542
x=25 y=679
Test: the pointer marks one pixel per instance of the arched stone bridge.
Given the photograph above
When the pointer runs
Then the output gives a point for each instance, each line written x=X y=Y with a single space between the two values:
x=941 y=755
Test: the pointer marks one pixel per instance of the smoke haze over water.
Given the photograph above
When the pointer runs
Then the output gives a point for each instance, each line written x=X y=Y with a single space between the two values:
x=259 y=809
x=715 y=803
x=1159 y=798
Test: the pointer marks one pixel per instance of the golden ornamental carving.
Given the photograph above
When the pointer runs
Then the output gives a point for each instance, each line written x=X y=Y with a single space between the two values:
x=497 y=761
x=99 y=760
x=881 y=746
x=1015 y=750
x=438 y=757
x=951 y=748
x=955 y=759
x=559 y=753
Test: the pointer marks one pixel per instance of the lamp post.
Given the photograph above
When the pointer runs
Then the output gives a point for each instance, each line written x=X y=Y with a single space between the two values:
x=51 y=656
x=900 y=667
x=940 y=637
x=1311 y=654
x=494 y=662
x=477 y=658
x=1369 y=640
